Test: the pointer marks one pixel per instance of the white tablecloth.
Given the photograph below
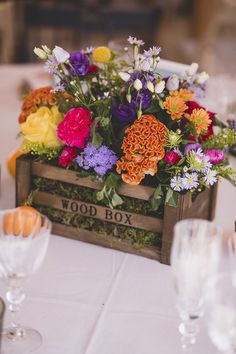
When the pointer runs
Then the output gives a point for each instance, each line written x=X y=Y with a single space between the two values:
x=87 y=299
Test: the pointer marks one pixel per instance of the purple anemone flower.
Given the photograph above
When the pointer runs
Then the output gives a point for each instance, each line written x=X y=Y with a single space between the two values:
x=124 y=112
x=80 y=63
x=144 y=95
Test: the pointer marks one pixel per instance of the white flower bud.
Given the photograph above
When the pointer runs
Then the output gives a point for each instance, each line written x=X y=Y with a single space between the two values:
x=60 y=54
x=124 y=76
x=150 y=86
x=128 y=97
x=202 y=77
x=145 y=65
x=172 y=83
x=40 y=53
x=138 y=85
x=159 y=87
x=46 y=49
x=192 y=69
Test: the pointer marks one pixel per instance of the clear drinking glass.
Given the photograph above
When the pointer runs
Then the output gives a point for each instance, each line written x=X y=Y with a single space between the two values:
x=195 y=257
x=221 y=313
x=24 y=238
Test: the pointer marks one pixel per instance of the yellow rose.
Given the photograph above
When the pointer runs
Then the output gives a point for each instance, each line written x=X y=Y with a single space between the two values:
x=102 y=55
x=40 y=127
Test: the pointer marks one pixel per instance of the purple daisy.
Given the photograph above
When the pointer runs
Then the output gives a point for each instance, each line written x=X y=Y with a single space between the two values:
x=189 y=181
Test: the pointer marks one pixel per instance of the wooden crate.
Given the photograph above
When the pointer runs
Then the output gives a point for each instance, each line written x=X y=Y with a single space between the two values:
x=202 y=207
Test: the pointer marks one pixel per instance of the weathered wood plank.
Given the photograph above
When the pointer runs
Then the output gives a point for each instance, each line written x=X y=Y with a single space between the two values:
x=68 y=176
x=23 y=179
x=99 y=212
x=104 y=241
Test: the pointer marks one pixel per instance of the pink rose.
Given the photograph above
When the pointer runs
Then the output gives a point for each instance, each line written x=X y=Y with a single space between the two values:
x=172 y=157
x=67 y=156
x=75 y=127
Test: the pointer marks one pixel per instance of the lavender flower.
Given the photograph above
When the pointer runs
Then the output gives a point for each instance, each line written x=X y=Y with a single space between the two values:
x=135 y=41
x=51 y=65
x=176 y=183
x=189 y=181
x=210 y=177
x=152 y=52
x=80 y=63
x=191 y=147
x=101 y=159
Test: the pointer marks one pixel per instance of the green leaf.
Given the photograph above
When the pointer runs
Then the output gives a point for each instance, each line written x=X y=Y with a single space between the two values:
x=97 y=139
x=116 y=200
x=172 y=198
x=156 y=198
x=113 y=181
x=100 y=195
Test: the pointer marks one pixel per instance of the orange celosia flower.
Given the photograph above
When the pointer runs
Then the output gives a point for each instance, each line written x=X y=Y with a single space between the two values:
x=175 y=106
x=143 y=147
x=200 y=118
x=185 y=94
x=37 y=98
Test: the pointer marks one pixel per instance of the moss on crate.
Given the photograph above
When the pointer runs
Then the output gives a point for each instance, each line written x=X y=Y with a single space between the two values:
x=139 y=238
x=88 y=195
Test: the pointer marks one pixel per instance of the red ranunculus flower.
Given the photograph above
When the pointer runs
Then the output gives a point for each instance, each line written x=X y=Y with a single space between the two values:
x=67 y=156
x=191 y=106
x=172 y=157
x=75 y=127
x=92 y=69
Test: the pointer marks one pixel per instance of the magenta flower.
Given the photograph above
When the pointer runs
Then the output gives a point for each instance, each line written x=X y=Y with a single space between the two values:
x=75 y=127
x=67 y=156
x=172 y=157
x=215 y=156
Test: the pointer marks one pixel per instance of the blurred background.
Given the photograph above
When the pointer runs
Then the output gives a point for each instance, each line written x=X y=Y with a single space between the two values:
x=187 y=30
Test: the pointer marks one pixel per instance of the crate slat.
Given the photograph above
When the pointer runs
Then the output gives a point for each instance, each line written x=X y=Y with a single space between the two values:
x=105 y=241
x=68 y=176
x=99 y=212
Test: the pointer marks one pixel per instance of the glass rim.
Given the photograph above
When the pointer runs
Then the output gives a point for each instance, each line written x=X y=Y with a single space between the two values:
x=188 y=221
x=29 y=212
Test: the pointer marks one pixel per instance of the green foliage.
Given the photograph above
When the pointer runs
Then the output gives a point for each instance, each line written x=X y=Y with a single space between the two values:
x=39 y=149
x=220 y=140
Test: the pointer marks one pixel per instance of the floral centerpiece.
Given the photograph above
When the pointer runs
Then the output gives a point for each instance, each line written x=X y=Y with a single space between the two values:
x=114 y=117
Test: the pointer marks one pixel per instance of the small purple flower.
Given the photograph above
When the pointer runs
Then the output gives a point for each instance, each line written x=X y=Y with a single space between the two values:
x=101 y=159
x=176 y=183
x=51 y=65
x=189 y=181
x=191 y=147
x=215 y=156
x=210 y=177
x=124 y=112
x=80 y=63
x=152 y=52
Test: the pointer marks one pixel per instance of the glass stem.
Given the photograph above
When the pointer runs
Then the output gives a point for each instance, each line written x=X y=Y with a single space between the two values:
x=15 y=297
x=188 y=330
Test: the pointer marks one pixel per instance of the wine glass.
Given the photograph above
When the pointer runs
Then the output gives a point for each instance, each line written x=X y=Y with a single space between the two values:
x=195 y=256
x=221 y=312
x=24 y=238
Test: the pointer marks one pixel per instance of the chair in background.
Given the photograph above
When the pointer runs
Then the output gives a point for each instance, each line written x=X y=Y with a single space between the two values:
x=7 y=39
x=77 y=23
